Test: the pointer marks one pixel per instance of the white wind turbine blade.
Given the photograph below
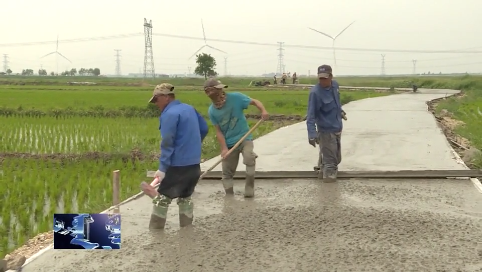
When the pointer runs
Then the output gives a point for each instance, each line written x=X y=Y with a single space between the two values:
x=57 y=48
x=216 y=49
x=344 y=30
x=48 y=54
x=63 y=57
x=197 y=51
x=322 y=33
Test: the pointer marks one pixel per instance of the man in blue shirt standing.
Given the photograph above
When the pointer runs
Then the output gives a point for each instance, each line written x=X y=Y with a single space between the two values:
x=182 y=131
x=227 y=115
x=324 y=122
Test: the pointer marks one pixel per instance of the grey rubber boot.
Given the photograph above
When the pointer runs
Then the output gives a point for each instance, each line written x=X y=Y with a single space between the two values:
x=249 y=186
x=228 y=185
x=330 y=176
x=186 y=211
x=159 y=212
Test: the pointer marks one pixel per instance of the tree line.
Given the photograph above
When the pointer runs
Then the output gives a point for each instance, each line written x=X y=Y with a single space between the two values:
x=205 y=66
x=43 y=72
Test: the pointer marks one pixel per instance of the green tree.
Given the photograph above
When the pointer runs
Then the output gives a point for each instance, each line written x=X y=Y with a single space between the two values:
x=9 y=71
x=27 y=72
x=42 y=72
x=205 y=65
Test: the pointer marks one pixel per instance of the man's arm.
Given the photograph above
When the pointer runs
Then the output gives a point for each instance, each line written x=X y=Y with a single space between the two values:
x=219 y=133
x=257 y=104
x=311 y=116
x=168 y=134
x=246 y=101
x=203 y=126
x=220 y=137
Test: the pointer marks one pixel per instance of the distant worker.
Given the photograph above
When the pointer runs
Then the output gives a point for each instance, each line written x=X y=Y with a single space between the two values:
x=283 y=78
x=324 y=122
x=182 y=131
x=295 y=78
x=275 y=80
x=227 y=115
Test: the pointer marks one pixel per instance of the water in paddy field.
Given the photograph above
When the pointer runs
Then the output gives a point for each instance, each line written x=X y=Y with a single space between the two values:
x=15 y=226
x=57 y=139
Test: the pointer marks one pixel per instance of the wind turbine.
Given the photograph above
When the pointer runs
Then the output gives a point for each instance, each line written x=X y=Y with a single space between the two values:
x=57 y=55
x=205 y=43
x=333 y=38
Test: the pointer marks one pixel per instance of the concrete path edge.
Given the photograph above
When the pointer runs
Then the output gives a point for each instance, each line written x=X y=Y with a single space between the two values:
x=477 y=183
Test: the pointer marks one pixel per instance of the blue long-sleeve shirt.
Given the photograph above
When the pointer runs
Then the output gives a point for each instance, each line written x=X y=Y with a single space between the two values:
x=182 y=130
x=324 y=110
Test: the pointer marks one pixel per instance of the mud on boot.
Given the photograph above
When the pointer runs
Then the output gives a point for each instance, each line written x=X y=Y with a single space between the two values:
x=228 y=185
x=159 y=212
x=249 y=187
x=329 y=178
x=186 y=211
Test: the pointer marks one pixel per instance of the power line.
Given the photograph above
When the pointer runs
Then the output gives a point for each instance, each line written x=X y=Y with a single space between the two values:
x=5 y=63
x=101 y=38
x=117 y=62
x=148 y=54
x=89 y=39
x=281 y=66
x=383 y=64
x=461 y=51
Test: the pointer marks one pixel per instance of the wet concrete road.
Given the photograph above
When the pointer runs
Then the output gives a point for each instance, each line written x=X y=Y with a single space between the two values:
x=305 y=225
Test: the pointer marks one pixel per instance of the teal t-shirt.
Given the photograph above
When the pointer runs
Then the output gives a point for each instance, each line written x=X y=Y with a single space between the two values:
x=230 y=118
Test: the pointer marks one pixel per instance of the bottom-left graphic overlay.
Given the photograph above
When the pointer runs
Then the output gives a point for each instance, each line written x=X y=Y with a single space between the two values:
x=87 y=231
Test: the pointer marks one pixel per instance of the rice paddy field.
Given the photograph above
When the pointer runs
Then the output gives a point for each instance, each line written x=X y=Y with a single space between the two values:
x=59 y=143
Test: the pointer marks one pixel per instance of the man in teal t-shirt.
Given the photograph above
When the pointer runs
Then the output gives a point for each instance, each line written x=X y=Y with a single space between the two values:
x=227 y=115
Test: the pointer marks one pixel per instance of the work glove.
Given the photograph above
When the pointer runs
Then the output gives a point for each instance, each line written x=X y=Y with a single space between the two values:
x=312 y=142
x=160 y=176
x=343 y=115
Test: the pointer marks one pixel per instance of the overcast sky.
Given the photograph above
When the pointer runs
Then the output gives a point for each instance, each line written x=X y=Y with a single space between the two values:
x=380 y=24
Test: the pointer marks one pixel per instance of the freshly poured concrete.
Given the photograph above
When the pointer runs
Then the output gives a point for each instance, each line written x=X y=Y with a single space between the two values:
x=305 y=225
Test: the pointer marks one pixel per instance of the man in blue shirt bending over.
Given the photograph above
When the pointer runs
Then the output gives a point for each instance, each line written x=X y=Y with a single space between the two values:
x=324 y=122
x=227 y=115
x=182 y=130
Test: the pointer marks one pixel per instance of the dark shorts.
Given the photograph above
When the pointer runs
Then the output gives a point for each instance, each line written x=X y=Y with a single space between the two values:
x=180 y=181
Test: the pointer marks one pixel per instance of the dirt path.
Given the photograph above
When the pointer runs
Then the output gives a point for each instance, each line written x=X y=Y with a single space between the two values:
x=304 y=225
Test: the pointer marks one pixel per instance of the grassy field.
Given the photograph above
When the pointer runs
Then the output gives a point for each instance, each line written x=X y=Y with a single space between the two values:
x=132 y=102
x=197 y=83
x=466 y=108
x=59 y=143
